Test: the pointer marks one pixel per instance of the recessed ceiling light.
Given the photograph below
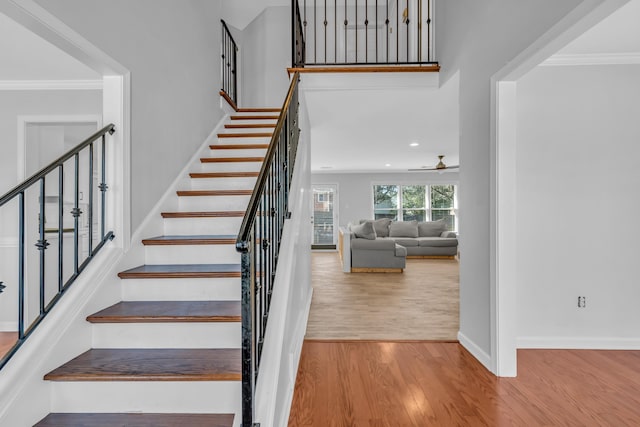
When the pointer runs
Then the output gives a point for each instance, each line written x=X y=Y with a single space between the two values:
x=413 y=144
x=388 y=164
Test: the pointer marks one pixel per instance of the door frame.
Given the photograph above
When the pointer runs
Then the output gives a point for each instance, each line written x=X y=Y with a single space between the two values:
x=336 y=210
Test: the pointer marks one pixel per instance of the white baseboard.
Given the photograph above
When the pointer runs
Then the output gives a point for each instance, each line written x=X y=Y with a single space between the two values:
x=475 y=350
x=586 y=343
x=8 y=326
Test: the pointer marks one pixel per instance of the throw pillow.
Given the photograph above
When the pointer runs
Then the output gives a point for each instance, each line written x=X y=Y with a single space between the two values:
x=432 y=228
x=364 y=231
x=380 y=225
x=403 y=229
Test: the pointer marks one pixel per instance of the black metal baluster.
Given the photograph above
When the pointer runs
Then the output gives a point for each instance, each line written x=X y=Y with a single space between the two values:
x=377 y=23
x=21 y=265
x=304 y=23
x=335 y=31
x=356 y=28
x=429 y=30
x=90 y=206
x=76 y=212
x=42 y=243
x=407 y=24
x=315 y=35
x=386 y=23
x=325 y=32
x=60 y=227
x=103 y=189
x=366 y=31
x=419 y=25
x=346 y=21
x=222 y=56
x=397 y=31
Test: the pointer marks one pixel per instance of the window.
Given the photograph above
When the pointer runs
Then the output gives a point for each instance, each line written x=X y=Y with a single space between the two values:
x=416 y=202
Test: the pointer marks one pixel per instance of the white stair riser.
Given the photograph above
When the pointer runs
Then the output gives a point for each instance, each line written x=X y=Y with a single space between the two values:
x=191 y=254
x=167 y=335
x=240 y=152
x=147 y=396
x=248 y=130
x=223 y=183
x=213 y=203
x=231 y=167
x=201 y=289
x=225 y=225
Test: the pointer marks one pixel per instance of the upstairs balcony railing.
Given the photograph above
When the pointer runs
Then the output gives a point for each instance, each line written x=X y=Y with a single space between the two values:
x=57 y=205
x=229 y=63
x=362 y=32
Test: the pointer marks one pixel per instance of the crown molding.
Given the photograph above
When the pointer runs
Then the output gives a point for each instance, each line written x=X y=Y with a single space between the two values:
x=567 y=59
x=50 y=84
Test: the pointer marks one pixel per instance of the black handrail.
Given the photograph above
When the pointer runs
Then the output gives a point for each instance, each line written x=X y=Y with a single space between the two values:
x=229 y=64
x=362 y=32
x=259 y=242
x=42 y=244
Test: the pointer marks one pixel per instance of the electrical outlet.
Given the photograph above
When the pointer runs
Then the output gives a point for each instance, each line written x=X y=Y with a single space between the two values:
x=582 y=302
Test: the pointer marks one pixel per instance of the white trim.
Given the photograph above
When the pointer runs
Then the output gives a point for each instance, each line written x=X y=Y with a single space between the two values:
x=568 y=59
x=502 y=222
x=50 y=84
x=8 y=326
x=474 y=349
x=23 y=121
x=586 y=343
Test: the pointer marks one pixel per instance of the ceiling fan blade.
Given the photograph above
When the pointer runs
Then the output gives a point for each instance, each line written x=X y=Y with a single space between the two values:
x=422 y=169
x=453 y=167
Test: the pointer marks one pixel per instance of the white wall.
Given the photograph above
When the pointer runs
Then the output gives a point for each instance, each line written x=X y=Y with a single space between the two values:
x=36 y=103
x=173 y=52
x=266 y=53
x=478 y=39
x=577 y=206
x=355 y=191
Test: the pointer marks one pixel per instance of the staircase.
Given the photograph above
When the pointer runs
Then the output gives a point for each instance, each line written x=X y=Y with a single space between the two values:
x=169 y=353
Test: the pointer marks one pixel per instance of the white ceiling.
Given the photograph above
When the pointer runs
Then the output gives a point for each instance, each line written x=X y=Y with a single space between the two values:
x=366 y=130
x=26 y=56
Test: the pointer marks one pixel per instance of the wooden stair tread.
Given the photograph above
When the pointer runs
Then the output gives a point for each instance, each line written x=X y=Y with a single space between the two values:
x=238 y=146
x=231 y=159
x=224 y=174
x=168 y=311
x=218 y=214
x=151 y=365
x=259 y=110
x=196 y=193
x=246 y=135
x=136 y=420
x=254 y=117
x=166 y=271
x=225 y=239
x=249 y=125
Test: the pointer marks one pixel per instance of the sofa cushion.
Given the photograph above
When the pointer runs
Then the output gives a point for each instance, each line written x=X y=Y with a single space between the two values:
x=380 y=225
x=436 y=242
x=401 y=251
x=373 y=245
x=364 y=230
x=403 y=229
x=405 y=241
x=432 y=228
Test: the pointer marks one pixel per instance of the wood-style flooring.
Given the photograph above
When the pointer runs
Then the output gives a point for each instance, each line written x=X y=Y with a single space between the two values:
x=389 y=384
x=420 y=304
x=7 y=340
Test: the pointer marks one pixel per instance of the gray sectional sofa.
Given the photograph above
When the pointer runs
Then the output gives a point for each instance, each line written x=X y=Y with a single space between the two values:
x=383 y=245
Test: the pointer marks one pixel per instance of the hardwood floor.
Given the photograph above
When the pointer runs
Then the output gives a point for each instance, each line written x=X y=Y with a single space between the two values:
x=7 y=340
x=441 y=384
x=420 y=304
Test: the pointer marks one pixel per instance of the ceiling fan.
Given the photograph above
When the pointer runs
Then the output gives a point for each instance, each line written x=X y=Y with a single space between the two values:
x=439 y=167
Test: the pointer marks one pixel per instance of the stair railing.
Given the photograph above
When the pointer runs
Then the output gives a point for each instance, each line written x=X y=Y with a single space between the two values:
x=92 y=226
x=259 y=242
x=229 y=64
x=363 y=32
